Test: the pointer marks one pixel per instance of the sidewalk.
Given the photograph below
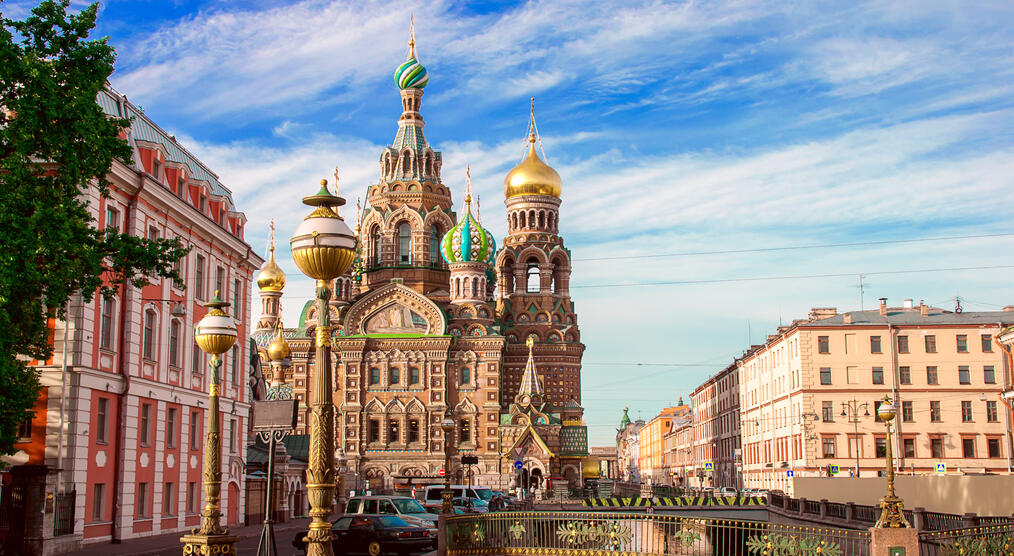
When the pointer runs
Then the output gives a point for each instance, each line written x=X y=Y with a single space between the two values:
x=169 y=544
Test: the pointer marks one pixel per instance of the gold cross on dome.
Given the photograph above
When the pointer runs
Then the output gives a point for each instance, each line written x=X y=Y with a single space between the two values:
x=530 y=342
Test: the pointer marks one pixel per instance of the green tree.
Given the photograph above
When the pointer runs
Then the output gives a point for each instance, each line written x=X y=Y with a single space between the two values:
x=56 y=143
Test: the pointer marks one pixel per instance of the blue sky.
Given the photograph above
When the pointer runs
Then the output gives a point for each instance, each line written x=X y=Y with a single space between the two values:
x=677 y=127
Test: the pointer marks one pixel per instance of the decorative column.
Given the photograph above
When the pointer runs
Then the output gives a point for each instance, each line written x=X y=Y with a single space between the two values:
x=215 y=334
x=892 y=534
x=323 y=248
x=447 y=425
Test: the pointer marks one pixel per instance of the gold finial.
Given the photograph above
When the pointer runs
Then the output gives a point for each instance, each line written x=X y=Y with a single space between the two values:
x=411 y=36
x=337 y=191
x=271 y=237
x=359 y=215
x=468 y=184
x=478 y=211
x=323 y=183
x=530 y=342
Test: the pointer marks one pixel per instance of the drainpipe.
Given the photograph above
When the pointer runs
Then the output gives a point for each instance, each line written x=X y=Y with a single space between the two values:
x=1005 y=369
x=63 y=401
x=121 y=437
x=895 y=376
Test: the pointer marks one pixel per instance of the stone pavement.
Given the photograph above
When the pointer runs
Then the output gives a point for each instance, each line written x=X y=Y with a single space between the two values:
x=169 y=544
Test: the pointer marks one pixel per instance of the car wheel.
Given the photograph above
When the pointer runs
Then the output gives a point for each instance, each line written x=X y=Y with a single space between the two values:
x=373 y=548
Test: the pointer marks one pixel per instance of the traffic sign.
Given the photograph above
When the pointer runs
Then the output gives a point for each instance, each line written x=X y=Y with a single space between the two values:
x=442 y=472
x=518 y=465
x=835 y=470
x=708 y=466
x=941 y=468
x=790 y=473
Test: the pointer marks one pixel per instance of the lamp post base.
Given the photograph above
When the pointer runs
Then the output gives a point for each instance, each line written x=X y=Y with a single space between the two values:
x=201 y=545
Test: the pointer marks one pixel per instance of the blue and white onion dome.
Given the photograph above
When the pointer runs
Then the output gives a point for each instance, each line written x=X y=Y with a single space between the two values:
x=411 y=74
x=468 y=241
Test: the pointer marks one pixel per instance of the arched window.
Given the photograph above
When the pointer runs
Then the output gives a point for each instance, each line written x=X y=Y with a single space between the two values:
x=148 y=337
x=174 y=343
x=475 y=288
x=521 y=220
x=404 y=243
x=234 y=375
x=466 y=377
x=376 y=243
x=435 y=237
x=533 y=285
x=542 y=219
x=395 y=376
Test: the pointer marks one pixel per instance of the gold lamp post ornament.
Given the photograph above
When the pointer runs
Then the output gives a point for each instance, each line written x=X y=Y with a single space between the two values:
x=892 y=513
x=323 y=248
x=215 y=334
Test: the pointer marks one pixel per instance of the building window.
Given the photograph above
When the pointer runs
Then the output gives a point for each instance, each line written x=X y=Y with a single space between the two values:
x=987 y=343
x=106 y=324
x=880 y=446
x=825 y=375
x=875 y=344
x=234 y=373
x=991 y=415
x=393 y=430
x=99 y=502
x=374 y=431
x=966 y=412
x=993 y=445
x=374 y=376
x=466 y=377
x=220 y=281
x=964 y=377
x=988 y=375
x=197 y=361
x=936 y=447
x=878 y=375
x=908 y=445
x=168 y=500
x=376 y=244
x=906 y=375
x=112 y=218
x=102 y=421
x=232 y=435
x=533 y=281
x=199 y=277
x=823 y=345
x=142 y=500
x=907 y=413
x=931 y=375
x=195 y=432
x=395 y=375
x=145 y=426
x=413 y=375
x=156 y=169
x=237 y=290
x=153 y=233
x=962 y=341
x=25 y=428
x=174 y=343
x=435 y=255
x=828 y=445
x=876 y=411
x=170 y=428
x=465 y=431
x=902 y=344
x=178 y=268
x=404 y=243
x=827 y=411
x=931 y=343
x=968 y=447
x=413 y=430
x=148 y=341
x=935 y=412
x=192 y=497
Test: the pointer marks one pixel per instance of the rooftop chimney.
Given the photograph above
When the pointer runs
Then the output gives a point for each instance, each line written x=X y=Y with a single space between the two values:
x=908 y=303
x=847 y=318
x=923 y=309
x=883 y=306
x=820 y=313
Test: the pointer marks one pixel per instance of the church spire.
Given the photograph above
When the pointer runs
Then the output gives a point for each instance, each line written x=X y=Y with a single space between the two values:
x=530 y=392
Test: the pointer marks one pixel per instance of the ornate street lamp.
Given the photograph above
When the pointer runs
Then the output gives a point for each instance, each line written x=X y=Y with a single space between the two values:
x=891 y=507
x=447 y=508
x=215 y=334
x=323 y=248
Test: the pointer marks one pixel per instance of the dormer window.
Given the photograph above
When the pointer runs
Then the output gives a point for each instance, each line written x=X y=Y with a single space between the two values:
x=181 y=188
x=201 y=202
x=156 y=168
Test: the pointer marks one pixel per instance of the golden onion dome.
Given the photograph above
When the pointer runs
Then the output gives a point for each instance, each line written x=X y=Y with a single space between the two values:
x=532 y=176
x=271 y=278
x=279 y=348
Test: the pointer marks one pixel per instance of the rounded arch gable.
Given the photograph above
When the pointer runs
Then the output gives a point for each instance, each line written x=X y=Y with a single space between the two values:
x=531 y=252
x=395 y=296
x=401 y=215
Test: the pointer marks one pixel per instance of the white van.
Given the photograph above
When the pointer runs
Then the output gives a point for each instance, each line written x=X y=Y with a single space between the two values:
x=480 y=493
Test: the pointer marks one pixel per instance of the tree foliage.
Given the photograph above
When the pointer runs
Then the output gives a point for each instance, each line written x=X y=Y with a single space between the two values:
x=56 y=144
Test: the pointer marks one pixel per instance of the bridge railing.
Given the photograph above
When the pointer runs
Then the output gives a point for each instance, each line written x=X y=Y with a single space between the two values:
x=987 y=540
x=598 y=534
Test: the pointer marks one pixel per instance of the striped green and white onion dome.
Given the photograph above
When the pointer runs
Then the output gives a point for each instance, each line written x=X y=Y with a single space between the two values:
x=468 y=241
x=411 y=75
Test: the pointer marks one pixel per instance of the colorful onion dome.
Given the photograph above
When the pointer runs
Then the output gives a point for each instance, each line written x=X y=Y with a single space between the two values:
x=271 y=278
x=468 y=240
x=279 y=348
x=411 y=75
x=532 y=176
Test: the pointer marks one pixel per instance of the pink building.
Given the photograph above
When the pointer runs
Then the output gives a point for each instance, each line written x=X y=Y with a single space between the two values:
x=115 y=446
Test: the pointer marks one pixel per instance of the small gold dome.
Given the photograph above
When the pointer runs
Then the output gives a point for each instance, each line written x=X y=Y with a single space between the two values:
x=532 y=176
x=279 y=348
x=271 y=278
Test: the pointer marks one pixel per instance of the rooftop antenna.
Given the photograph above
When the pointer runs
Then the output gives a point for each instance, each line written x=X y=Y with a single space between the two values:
x=957 y=304
x=862 y=290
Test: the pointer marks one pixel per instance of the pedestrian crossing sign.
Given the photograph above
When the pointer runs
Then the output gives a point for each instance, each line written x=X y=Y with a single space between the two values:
x=708 y=466
x=835 y=470
x=941 y=468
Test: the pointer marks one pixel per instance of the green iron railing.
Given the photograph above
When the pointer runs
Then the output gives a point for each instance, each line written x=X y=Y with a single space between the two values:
x=599 y=534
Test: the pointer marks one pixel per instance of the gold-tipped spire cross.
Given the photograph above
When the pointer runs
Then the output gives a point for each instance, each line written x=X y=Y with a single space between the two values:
x=271 y=236
x=533 y=134
x=411 y=36
x=468 y=184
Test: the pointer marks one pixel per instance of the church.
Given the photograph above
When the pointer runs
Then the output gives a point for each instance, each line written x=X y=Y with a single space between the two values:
x=435 y=319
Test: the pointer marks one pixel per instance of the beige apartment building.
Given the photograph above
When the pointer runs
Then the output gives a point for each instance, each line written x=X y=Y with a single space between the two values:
x=809 y=395
x=651 y=459
x=716 y=429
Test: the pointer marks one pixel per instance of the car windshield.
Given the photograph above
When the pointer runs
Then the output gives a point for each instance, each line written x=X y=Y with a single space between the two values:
x=408 y=506
x=484 y=494
x=392 y=521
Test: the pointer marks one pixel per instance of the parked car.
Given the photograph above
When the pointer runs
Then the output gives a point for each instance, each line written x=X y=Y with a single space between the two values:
x=374 y=535
x=727 y=491
x=433 y=492
x=404 y=507
x=471 y=505
x=435 y=509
